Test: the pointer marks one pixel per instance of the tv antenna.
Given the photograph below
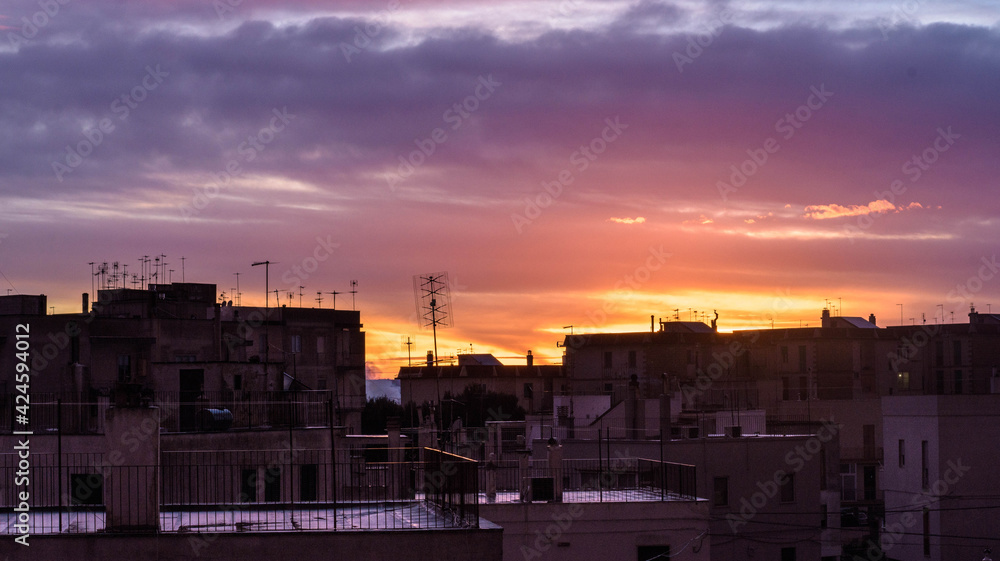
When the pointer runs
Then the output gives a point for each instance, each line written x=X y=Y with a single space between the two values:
x=354 y=290
x=335 y=293
x=432 y=294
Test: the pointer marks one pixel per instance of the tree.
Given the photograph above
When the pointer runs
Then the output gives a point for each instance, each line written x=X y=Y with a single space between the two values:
x=376 y=413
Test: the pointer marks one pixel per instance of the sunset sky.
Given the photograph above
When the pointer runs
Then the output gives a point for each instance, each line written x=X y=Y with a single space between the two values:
x=567 y=162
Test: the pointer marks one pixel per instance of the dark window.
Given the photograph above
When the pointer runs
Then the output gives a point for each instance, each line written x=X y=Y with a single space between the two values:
x=958 y=382
x=607 y=359
x=803 y=388
x=307 y=482
x=940 y=381
x=720 y=491
x=822 y=468
x=237 y=382
x=529 y=391
x=631 y=359
x=868 y=440
x=788 y=489
x=124 y=368
x=785 y=389
x=924 y=468
x=939 y=353
x=902 y=452
x=272 y=484
x=788 y=554
x=956 y=352
x=784 y=355
x=927 y=532
x=824 y=514
x=653 y=553
x=86 y=488
x=248 y=485
x=802 y=358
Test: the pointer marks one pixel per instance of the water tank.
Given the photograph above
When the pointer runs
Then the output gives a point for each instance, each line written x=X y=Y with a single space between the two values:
x=215 y=419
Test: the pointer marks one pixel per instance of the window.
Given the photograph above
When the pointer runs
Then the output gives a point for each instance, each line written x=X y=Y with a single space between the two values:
x=632 y=359
x=824 y=514
x=785 y=389
x=924 y=468
x=927 y=532
x=272 y=484
x=307 y=482
x=529 y=391
x=802 y=358
x=720 y=494
x=788 y=554
x=956 y=352
x=237 y=382
x=124 y=368
x=939 y=353
x=607 y=359
x=848 y=482
x=788 y=489
x=939 y=379
x=903 y=380
x=784 y=354
x=902 y=452
x=868 y=441
x=653 y=553
x=248 y=485
x=86 y=488
x=296 y=343
x=822 y=468
x=958 y=382
x=320 y=345
x=803 y=385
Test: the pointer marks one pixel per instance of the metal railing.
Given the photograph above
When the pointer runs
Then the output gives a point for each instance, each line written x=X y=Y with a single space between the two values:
x=179 y=411
x=221 y=491
x=590 y=480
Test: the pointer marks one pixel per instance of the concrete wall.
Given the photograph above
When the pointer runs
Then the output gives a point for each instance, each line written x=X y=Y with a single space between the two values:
x=600 y=531
x=404 y=545
x=962 y=434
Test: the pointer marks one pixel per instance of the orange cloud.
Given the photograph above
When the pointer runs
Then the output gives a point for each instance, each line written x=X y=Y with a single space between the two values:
x=636 y=220
x=881 y=206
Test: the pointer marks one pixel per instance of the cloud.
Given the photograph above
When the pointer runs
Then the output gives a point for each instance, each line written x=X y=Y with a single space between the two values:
x=881 y=206
x=636 y=220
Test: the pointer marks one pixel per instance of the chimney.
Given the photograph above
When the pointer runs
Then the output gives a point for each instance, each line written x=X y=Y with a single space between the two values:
x=826 y=319
x=86 y=303
x=652 y=324
x=430 y=358
x=871 y=319
x=530 y=359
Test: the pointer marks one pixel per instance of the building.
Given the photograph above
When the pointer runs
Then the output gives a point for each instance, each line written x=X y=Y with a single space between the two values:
x=940 y=476
x=175 y=340
x=533 y=385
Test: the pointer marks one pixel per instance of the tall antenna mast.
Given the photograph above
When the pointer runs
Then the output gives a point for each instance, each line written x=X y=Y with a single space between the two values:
x=354 y=290
x=238 y=293
x=433 y=299
x=300 y=295
x=182 y=273
x=267 y=280
x=335 y=293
